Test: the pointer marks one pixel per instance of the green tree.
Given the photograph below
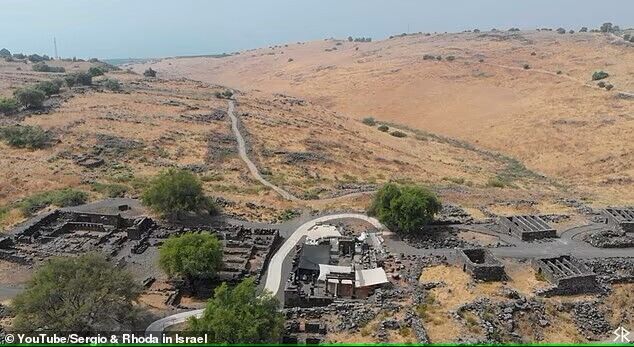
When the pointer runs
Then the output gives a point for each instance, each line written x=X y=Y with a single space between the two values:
x=95 y=71
x=8 y=105
x=48 y=87
x=112 y=84
x=175 y=191
x=30 y=97
x=83 y=294
x=240 y=315
x=191 y=256
x=404 y=208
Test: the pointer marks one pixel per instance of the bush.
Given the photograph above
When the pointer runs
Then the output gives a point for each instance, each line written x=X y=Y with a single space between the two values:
x=561 y=31
x=149 y=73
x=526 y=66
x=5 y=53
x=240 y=315
x=174 y=191
x=607 y=27
x=25 y=136
x=95 y=71
x=571 y=32
x=191 y=256
x=428 y=57
x=583 y=30
x=60 y=198
x=601 y=84
x=383 y=128
x=226 y=94
x=369 y=121
x=404 y=208
x=496 y=182
x=110 y=190
x=78 y=79
x=34 y=58
x=48 y=87
x=599 y=75
x=608 y=86
x=398 y=134
x=8 y=105
x=29 y=97
x=451 y=58
x=43 y=67
x=112 y=84
x=85 y=294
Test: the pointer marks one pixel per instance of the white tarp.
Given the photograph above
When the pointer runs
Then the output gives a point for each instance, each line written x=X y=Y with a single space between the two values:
x=324 y=270
x=370 y=277
x=321 y=231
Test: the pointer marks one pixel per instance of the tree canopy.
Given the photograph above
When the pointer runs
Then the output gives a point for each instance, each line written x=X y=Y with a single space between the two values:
x=191 y=255
x=240 y=315
x=175 y=191
x=404 y=208
x=83 y=294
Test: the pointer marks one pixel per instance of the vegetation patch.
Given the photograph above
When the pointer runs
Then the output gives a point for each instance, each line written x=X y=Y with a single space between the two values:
x=25 y=136
x=60 y=198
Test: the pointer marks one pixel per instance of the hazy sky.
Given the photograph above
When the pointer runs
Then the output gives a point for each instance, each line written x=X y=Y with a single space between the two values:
x=156 y=28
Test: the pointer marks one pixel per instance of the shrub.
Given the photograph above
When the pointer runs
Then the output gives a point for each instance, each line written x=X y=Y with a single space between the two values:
x=601 y=84
x=609 y=86
x=561 y=31
x=404 y=208
x=398 y=134
x=95 y=71
x=48 y=87
x=19 y=56
x=526 y=66
x=571 y=32
x=34 y=58
x=191 y=256
x=495 y=182
x=476 y=30
x=112 y=84
x=383 y=128
x=8 y=105
x=626 y=37
x=60 y=198
x=559 y=72
x=149 y=73
x=43 y=67
x=5 y=53
x=583 y=30
x=78 y=78
x=173 y=192
x=84 y=294
x=29 y=97
x=599 y=75
x=290 y=60
x=607 y=27
x=110 y=190
x=451 y=58
x=226 y=94
x=428 y=57
x=25 y=136
x=369 y=121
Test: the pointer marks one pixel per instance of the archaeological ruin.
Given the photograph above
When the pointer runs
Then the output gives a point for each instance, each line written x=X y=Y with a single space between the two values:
x=527 y=228
x=620 y=218
x=481 y=264
x=566 y=274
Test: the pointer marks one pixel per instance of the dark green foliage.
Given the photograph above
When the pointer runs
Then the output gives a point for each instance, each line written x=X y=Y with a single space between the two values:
x=78 y=79
x=83 y=294
x=35 y=58
x=226 y=94
x=175 y=191
x=191 y=256
x=383 y=128
x=583 y=30
x=149 y=73
x=428 y=57
x=29 y=97
x=43 y=67
x=112 y=84
x=60 y=198
x=8 y=105
x=599 y=75
x=607 y=27
x=240 y=316
x=369 y=121
x=95 y=71
x=404 y=208
x=561 y=31
x=398 y=134
x=19 y=56
x=48 y=87
x=25 y=136
x=5 y=53
x=110 y=190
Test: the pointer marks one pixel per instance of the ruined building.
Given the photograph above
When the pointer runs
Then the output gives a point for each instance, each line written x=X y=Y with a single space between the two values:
x=566 y=274
x=481 y=264
x=527 y=228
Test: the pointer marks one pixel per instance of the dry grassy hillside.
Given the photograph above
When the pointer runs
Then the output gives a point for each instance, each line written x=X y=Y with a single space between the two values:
x=111 y=143
x=547 y=116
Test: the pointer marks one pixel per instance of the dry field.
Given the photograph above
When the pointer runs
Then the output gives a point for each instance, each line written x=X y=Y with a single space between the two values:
x=546 y=116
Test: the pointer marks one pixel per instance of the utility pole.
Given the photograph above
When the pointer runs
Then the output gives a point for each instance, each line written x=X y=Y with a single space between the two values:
x=55 y=44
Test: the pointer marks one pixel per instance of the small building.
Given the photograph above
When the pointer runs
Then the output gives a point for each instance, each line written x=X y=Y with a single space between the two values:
x=345 y=282
x=527 y=228
x=310 y=257
x=567 y=274
x=481 y=264
x=620 y=218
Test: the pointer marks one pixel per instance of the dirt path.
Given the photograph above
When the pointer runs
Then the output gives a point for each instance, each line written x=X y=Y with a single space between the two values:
x=256 y=173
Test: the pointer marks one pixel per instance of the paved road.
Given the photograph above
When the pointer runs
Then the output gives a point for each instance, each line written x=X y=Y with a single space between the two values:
x=256 y=174
x=274 y=273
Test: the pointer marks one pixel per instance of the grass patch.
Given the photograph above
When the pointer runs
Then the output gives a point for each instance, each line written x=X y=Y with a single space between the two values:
x=111 y=190
x=456 y=180
x=211 y=177
x=496 y=182
x=61 y=198
x=25 y=136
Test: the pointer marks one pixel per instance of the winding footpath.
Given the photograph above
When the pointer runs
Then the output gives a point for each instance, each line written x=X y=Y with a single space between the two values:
x=242 y=152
